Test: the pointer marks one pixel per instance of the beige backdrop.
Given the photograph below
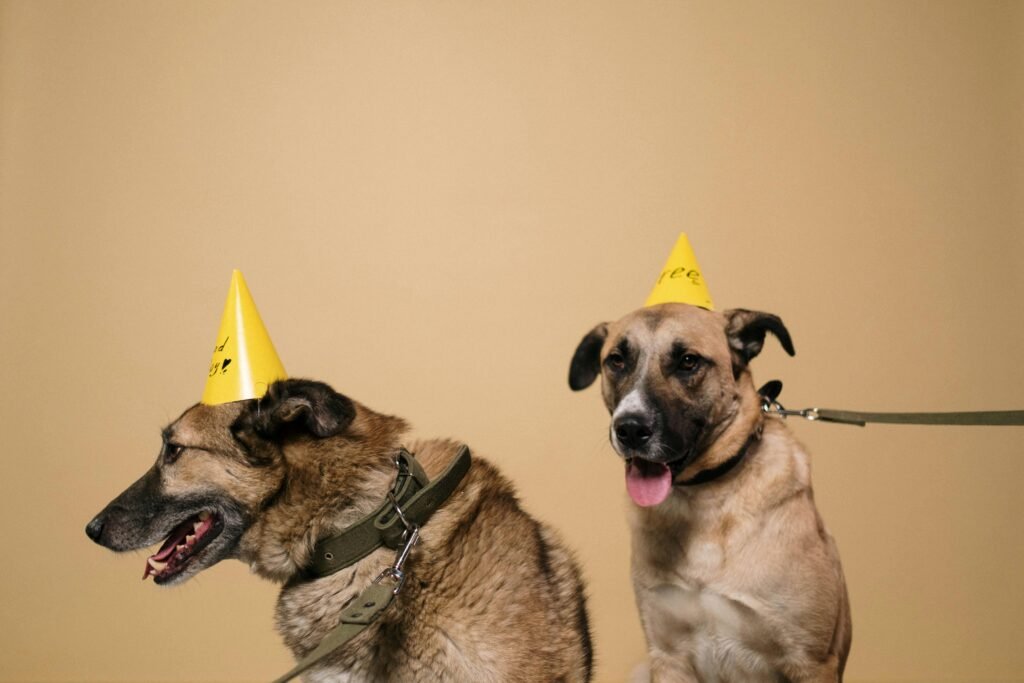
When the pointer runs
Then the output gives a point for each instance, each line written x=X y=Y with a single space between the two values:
x=432 y=202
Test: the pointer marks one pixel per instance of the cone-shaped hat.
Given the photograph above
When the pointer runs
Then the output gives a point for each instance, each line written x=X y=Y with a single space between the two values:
x=681 y=280
x=244 y=360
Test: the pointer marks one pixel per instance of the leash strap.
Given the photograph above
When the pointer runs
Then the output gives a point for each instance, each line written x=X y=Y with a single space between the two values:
x=354 y=620
x=993 y=418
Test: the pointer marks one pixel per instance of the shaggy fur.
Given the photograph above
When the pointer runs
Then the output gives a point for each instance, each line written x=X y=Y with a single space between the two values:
x=491 y=594
x=736 y=579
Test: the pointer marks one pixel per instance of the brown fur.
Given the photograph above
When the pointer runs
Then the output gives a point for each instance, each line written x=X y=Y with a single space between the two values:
x=736 y=579
x=491 y=594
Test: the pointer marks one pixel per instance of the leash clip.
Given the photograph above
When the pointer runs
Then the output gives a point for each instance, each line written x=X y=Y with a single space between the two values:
x=769 y=406
x=411 y=535
x=395 y=571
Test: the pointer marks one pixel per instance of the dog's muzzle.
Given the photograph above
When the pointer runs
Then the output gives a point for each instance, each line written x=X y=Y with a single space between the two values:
x=633 y=431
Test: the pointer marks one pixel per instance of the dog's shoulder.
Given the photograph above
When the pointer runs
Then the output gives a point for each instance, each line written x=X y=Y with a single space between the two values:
x=435 y=454
x=485 y=508
x=783 y=457
x=484 y=547
x=484 y=477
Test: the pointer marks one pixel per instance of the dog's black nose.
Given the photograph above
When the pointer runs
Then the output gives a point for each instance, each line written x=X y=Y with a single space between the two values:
x=94 y=529
x=632 y=431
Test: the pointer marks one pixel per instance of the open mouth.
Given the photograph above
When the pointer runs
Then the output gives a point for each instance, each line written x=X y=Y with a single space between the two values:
x=182 y=546
x=649 y=483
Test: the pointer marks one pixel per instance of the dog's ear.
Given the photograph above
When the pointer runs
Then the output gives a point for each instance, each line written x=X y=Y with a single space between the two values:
x=297 y=406
x=586 y=362
x=746 y=330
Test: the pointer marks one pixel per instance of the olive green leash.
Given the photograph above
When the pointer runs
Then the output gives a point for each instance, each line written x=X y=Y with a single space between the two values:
x=412 y=500
x=994 y=418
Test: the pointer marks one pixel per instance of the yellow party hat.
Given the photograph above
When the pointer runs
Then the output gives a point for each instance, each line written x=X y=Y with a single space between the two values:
x=680 y=280
x=244 y=360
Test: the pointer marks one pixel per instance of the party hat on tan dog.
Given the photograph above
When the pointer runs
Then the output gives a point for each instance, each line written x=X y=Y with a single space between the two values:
x=681 y=281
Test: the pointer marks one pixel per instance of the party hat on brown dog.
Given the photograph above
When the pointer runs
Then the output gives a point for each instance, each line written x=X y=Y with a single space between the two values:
x=244 y=361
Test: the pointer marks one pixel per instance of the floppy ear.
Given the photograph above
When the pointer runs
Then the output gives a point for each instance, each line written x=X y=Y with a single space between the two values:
x=586 y=362
x=298 y=406
x=746 y=330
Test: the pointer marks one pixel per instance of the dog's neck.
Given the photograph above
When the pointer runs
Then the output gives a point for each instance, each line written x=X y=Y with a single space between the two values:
x=733 y=436
x=329 y=484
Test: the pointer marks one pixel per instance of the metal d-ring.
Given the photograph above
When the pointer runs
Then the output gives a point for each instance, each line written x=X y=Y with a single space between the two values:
x=772 y=406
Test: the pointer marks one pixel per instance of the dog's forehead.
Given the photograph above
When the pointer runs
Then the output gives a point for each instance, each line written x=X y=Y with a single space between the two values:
x=662 y=326
x=203 y=425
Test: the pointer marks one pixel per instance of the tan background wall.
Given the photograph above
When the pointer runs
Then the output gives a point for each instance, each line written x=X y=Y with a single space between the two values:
x=432 y=202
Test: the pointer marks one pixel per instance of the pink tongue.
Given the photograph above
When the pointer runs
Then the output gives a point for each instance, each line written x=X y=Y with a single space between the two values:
x=648 y=483
x=176 y=536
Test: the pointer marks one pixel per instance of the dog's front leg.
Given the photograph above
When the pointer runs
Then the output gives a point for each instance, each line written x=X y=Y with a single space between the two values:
x=669 y=614
x=665 y=668
x=668 y=669
x=829 y=672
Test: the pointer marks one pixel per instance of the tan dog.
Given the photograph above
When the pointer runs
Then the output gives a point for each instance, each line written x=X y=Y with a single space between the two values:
x=490 y=593
x=735 y=577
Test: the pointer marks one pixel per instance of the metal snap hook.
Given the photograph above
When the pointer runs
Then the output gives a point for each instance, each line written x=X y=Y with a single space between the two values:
x=401 y=515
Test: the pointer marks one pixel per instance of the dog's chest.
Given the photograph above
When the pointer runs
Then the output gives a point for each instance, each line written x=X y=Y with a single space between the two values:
x=409 y=644
x=696 y=608
x=306 y=614
x=723 y=638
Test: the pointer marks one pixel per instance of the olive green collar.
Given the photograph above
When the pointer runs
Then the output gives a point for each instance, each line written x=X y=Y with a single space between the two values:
x=412 y=497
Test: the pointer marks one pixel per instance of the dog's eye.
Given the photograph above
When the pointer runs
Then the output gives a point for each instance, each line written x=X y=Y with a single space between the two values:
x=171 y=451
x=689 y=362
x=615 y=361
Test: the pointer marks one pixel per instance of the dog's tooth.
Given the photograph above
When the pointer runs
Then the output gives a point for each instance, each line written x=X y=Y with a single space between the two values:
x=204 y=515
x=181 y=548
x=157 y=565
x=197 y=526
x=190 y=539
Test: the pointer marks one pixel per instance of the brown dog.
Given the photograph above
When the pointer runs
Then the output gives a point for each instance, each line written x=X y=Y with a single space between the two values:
x=735 y=576
x=490 y=594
